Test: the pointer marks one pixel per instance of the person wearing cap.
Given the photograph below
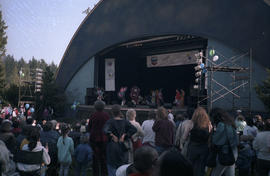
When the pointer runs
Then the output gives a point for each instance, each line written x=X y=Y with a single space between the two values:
x=119 y=131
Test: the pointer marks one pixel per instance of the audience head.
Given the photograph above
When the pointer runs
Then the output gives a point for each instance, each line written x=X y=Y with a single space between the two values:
x=219 y=115
x=145 y=159
x=116 y=110
x=131 y=114
x=6 y=126
x=200 y=118
x=152 y=114
x=162 y=113
x=64 y=129
x=267 y=125
x=250 y=122
x=99 y=105
x=258 y=118
x=54 y=122
x=34 y=136
x=48 y=126
x=173 y=163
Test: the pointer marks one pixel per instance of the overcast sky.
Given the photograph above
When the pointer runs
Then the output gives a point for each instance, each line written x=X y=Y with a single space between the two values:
x=42 y=28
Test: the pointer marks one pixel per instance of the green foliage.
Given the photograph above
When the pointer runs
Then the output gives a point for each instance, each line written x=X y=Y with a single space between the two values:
x=2 y=79
x=263 y=91
x=3 y=42
x=11 y=94
x=3 y=37
x=51 y=95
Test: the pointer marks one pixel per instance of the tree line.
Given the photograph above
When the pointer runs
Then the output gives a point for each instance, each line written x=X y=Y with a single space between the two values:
x=14 y=74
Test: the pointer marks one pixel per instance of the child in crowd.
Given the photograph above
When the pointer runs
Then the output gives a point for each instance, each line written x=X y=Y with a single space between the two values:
x=65 y=148
x=83 y=156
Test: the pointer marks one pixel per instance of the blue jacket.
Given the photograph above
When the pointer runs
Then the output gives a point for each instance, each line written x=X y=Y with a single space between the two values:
x=83 y=153
x=221 y=135
x=65 y=148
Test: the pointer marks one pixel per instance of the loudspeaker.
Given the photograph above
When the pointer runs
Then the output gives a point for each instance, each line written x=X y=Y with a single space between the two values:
x=90 y=100
x=152 y=105
x=90 y=91
x=167 y=105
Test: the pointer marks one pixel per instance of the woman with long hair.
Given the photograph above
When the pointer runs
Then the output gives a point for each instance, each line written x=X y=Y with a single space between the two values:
x=164 y=129
x=65 y=148
x=34 y=145
x=224 y=137
x=198 y=143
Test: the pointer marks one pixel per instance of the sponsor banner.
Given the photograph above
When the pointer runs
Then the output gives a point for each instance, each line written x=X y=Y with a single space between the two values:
x=110 y=74
x=172 y=59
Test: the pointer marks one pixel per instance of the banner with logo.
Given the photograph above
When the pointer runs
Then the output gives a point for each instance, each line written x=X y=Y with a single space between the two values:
x=172 y=59
x=110 y=74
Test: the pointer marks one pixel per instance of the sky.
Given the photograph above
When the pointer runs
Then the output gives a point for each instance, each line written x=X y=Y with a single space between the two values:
x=42 y=28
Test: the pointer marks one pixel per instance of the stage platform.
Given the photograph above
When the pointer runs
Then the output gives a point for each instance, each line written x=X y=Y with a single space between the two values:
x=85 y=111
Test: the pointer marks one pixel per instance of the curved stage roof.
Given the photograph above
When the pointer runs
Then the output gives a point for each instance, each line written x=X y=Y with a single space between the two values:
x=240 y=24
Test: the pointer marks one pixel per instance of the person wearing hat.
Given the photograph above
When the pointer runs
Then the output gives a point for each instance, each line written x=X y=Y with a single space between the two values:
x=7 y=136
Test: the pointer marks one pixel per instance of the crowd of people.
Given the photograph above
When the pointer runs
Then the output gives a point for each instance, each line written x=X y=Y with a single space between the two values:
x=115 y=144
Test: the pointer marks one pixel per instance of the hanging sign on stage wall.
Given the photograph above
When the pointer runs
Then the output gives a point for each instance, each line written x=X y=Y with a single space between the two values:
x=109 y=74
x=172 y=59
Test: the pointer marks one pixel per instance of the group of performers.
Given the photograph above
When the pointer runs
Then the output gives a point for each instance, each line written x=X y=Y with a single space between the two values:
x=155 y=96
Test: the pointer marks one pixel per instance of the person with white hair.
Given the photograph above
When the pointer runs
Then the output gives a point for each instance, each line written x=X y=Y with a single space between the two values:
x=137 y=137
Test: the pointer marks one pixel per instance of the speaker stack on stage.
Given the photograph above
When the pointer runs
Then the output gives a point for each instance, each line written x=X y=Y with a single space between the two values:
x=91 y=96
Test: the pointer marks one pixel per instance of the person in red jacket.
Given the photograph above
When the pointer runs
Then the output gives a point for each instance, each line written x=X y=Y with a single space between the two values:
x=98 y=139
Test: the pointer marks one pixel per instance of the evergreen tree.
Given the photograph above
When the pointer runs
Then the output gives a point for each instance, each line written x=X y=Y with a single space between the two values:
x=263 y=91
x=3 y=42
x=51 y=95
x=3 y=37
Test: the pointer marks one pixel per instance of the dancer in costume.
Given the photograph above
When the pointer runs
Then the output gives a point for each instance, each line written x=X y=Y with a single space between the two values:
x=100 y=93
x=134 y=94
x=177 y=98
x=122 y=95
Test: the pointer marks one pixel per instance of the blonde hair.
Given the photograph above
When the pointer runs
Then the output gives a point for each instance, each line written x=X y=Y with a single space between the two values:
x=200 y=118
x=162 y=113
x=130 y=114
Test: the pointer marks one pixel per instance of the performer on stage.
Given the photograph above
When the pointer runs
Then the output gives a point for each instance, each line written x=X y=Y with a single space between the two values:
x=160 y=97
x=100 y=93
x=182 y=99
x=179 y=98
x=134 y=94
x=122 y=95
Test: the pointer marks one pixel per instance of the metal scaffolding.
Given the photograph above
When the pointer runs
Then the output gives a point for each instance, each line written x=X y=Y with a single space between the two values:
x=238 y=70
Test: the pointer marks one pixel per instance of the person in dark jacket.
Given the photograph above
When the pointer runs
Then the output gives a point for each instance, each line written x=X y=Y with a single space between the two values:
x=198 y=143
x=164 y=130
x=83 y=156
x=118 y=130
